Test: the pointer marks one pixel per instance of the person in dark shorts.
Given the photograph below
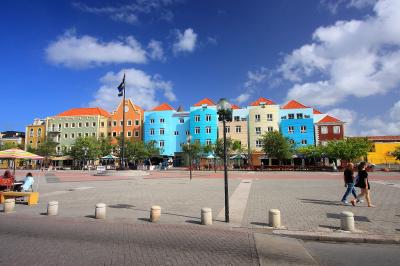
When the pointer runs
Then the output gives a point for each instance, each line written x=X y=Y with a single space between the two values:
x=349 y=183
x=363 y=184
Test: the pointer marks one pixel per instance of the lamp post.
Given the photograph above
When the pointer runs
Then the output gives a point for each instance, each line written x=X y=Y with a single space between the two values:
x=188 y=140
x=225 y=115
x=85 y=150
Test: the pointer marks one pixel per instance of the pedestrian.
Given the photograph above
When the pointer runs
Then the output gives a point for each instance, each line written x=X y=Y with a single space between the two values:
x=349 y=183
x=363 y=184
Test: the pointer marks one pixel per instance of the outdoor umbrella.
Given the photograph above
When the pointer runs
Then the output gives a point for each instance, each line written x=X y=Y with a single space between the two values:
x=14 y=154
x=109 y=157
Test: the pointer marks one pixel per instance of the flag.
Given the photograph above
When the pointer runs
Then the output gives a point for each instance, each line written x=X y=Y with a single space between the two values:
x=121 y=88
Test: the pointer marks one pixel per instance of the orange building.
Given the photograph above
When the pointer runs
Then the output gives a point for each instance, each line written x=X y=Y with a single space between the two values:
x=134 y=116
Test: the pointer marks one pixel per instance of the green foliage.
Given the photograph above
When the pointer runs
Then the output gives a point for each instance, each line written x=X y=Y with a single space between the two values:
x=46 y=149
x=396 y=153
x=348 y=149
x=275 y=145
x=193 y=149
x=311 y=151
x=8 y=145
x=208 y=149
x=91 y=144
x=105 y=146
x=219 y=147
x=136 y=151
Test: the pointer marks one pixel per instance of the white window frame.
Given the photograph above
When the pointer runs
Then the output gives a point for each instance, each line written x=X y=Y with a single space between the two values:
x=303 y=129
x=304 y=141
x=152 y=121
x=258 y=143
x=161 y=143
x=258 y=130
x=129 y=133
x=197 y=118
x=162 y=131
x=162 y=120
x=257 y=118
x=227 y=129
x=197 y=130
x=181 y=120
x=129 y=123
x=324 y=130
x=269 y=117
x=290 y=116
x=238 y=129
x=176 y=133
x=270 y=129
x=208 y=142
x=208 y=117
x=208 y=130
x=137 y=133
x=137 y=122
x=336 y=129
x=290 y=129
x=152 y=131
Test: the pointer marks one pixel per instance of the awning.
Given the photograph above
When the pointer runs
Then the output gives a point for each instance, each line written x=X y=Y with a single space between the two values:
x=109 y=157
x=238 y=156
x=19 y=154
x=61 y=158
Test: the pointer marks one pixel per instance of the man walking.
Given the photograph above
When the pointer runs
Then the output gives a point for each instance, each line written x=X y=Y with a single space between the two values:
x=349 y=183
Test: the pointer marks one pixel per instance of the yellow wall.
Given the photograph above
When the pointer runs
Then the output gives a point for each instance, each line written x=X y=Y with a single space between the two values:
x=242 y=136
x=264 y=124
x=34 y=139
x=380 y=155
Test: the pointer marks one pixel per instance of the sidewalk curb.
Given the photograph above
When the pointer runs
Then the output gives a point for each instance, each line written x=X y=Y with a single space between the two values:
x=339 y=237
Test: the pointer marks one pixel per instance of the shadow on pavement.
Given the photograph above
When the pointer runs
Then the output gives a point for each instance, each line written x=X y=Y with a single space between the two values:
x=260 y=224
x=329 y=227
x=193 y=221
x=321 y=202
x=90 y=216
x=122 y=206
x=356 y=218
x=144 y=219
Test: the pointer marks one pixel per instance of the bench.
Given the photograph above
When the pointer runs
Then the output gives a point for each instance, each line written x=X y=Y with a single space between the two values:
x=32 y=197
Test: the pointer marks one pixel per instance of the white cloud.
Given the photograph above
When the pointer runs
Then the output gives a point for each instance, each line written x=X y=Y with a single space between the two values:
x=244 y=97
x=140 y=87
x=347 y=116
x=356 y=58
x=334 y=5
x=186 y=41
x=395 y=111
x=378 y=126
x=86 y=51
x=156 y=51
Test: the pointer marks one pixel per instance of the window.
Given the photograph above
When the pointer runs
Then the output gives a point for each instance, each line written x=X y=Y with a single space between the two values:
x=109 y=123
x=72 y=135
x=238 y=129
x=114 y=134
x=208 y=130
x=227 y=129
x=162 y=131
x=129 y=133
x=303 y=141
x=257 y=118
x=94 y=124
x=196 y=130
x=162 y=143
x=208 y=117
x=136 y=122
x=291 y=141
x=39 y=132
x=129 y=123
x=115 y=123
x=121 y=123
x=152 y=131
x=290 y=129
x=86 y=134
x=270 y=129
x=109 y=134
x=73 y=125
x=269 y=117
x=306 y=116
x=236 y=118
x=93 y=134
x=87 y=124
x=299 y=116
x=197 y=118
x=187 y=133
x=336 y=130
x=136 y=133
x=258 y=130
x=30 y=141
x=181 y=120
x=66 y=125
x=162 y=120
x=291 y=116
x=31 y=133
x=79 y=135
x=324 y=143
x=197 y=141
x=59 y=126
x=152 y=121
x=324 y=130
x=80 y=124
x=303 y=129
x=65 y=136
x=176 y=133
x=208 y=142
x=258 y=143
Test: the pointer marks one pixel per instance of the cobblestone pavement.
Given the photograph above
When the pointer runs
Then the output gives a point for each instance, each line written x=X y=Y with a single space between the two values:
x=66 y=241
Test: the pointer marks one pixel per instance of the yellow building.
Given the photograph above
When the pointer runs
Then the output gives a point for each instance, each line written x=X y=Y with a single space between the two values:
x=35 y=133
x=382 y=148
x=237 y=129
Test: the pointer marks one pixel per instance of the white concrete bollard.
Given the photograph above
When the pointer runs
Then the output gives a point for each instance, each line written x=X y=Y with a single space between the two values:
x=100 y=212
x=52 y=208
x=347 y=221
x=206 y=216
x=155 y=213
x=274 y=218
x=9 y=205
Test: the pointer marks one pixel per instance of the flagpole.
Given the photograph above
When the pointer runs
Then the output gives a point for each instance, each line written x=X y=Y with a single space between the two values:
x=123 y=133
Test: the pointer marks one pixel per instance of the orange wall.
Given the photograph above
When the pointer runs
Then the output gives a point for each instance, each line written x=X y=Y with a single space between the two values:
x=134 y=113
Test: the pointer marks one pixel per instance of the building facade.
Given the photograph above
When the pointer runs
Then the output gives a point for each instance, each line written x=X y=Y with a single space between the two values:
x=263 y=117
x=134 y=116
x=238 y=128
x=15 y=138
x=66 y=127
x=382 y=148
x=204 y=122
x=297 y=123
x=35 y=133
x=327 y=129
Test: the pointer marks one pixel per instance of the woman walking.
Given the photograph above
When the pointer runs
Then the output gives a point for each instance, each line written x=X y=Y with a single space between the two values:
x=363 y=184
x=349 y=183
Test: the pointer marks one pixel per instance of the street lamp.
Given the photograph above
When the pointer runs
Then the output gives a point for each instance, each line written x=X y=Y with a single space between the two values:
x=85 y=150
x=225 y=115
x=188 y=140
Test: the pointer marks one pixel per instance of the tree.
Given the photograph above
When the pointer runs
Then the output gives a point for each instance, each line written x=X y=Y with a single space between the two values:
x=193 y=150
x=105 y=146
x=8 y=145
x=135 y=151
x=219 y=147
x=396 y=153
x=87 y=148
x=348 y=149
x=274 y=145
x=46 y=149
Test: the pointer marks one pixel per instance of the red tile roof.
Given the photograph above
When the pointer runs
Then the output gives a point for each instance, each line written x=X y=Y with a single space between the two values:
x=261 y=100
x=294 y=105
x=234 y=107
x=329 y=119
x=163 y=107
x=85 y=111
x=316 y=112
x=205 y=101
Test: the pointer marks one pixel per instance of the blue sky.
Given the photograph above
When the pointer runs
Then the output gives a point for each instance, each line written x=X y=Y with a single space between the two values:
x=342 y=56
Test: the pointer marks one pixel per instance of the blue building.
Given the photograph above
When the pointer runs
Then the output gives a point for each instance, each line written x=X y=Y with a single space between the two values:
x=297 y=123
x=204 y=122
x=167 y=127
